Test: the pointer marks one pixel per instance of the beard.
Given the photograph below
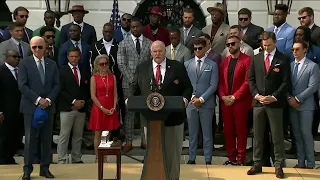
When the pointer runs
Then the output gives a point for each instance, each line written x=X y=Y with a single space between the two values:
x=279 y=23
x=233 y=51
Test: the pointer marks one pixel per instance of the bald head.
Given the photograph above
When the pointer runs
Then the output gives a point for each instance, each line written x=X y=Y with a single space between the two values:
x=158 y=51
x=37 y=45
x=158 y=44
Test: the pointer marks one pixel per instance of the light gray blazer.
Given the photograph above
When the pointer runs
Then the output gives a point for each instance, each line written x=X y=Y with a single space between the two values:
x=244 y=48
x=128 y=58
x=219 y=42
x=204 y=85
x=192 y=35
x=307 y=84
x=183 y=54
x=10 y=45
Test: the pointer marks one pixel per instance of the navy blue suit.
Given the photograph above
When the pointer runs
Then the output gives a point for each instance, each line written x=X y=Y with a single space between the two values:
x=88 y=34
x=26 y=37
x=313 y=54
x=118 y=36
x=84 y=63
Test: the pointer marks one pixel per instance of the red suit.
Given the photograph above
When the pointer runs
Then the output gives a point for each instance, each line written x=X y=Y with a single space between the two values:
x=235 y=116
x=162 y=34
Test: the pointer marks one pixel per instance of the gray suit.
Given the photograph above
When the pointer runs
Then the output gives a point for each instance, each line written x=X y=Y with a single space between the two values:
x=183 y=54
x=10 y=45
x=31 y=87
x=301 y=118
x=219 y=41
x=204 y=86
x=128 y=60
x=193 y=33
x=244 y=48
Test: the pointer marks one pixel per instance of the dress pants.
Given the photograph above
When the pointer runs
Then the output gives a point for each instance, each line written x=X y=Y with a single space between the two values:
x=73 y=120
x=45 y=138
x=261 y=116
x=301 y=122
x=196 y=117
x=235 y=131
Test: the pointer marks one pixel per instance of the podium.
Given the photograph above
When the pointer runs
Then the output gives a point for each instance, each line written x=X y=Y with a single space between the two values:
x=154 y=163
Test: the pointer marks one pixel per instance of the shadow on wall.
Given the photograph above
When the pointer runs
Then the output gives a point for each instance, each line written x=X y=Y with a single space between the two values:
x=5 y=14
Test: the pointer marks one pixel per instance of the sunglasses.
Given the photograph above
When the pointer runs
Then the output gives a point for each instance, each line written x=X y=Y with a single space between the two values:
x=243 y=19
x=50 y=36
x=24 y=16
x=295 y=49
x=103 y=64
x=16 y=56
x=231 y=44
x=303 y=17
x=125 y=19
x=35 y=47
x=197 y=48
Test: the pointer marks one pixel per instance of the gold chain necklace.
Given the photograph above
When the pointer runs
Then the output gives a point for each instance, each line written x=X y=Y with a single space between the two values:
x=105 y=85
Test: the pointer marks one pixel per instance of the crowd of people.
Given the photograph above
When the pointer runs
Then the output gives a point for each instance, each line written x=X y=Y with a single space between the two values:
x=264 y=80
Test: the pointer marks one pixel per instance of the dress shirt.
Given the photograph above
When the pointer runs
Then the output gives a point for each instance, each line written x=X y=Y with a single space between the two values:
x=311 y=26
x=52 y=49
x=162 y=68
x=16 y=42
x=270 y=56
x=202 y=60
x=107 y=45
x=44 y=69
x=79 y=44
x=81 y=25
x=175 y=48
x=301 y=63
x=125 y=34
x=187 y=29
x=244 y=30
x=135 y=40
x=279 y=28
x=11 y=68
x=79 y=76
x=257 y=51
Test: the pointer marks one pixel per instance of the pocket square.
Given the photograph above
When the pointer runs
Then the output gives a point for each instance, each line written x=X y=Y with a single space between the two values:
x=276 y=69
x=277 y=65
x=207 y=70
x=86 y=81
x=280 y=38
x=176 y=81
x=193 y=36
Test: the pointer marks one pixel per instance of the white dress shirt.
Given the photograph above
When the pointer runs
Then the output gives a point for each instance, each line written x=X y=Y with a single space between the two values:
x=187 y=29
x=125 y=34
x=107 y=45
x=279 y=28
x=37 y=61
x=201 y=59
x=16 y=42
x=162 y=68
x=135 y=40
x=270 y=56
x=301 y=63
x=311 y=26
x=11 y=68
x=244 y=30
x=79 y=76
x=81 y=25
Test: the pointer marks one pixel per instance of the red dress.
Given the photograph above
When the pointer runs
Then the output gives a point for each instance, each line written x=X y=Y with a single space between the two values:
x=105 y=94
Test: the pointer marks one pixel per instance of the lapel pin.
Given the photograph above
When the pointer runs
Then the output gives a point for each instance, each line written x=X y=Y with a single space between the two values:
x=168 y=66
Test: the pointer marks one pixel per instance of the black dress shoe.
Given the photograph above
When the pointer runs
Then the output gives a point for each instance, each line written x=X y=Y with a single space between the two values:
x=255 y=170
x=26 y=177
x=78 y=162
x=208 y=163
x=191 y=162
x=279 y=173
x=46 y=174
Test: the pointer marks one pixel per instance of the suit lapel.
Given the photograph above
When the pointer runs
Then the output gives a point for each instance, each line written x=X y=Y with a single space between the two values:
x=167 y=74
x=204 y=65
x=283 y=29
x=190 y=34
x=225 y=74
x=47 y=70
x=9 y=73
x=220 y=30
x=303 y=68
x=35 y=68
x=179 y=52
x=100 y=47
x=261 y=63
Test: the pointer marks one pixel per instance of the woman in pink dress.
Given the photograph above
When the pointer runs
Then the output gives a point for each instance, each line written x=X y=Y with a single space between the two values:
x=104 y=116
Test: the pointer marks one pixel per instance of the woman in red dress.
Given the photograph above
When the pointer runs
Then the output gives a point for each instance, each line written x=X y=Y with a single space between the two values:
x=104 y=116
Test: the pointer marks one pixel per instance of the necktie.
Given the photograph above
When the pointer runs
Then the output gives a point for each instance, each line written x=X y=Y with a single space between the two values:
x=198 y=67
x=276 y=30
x=173 y=54
x=76 y=44
x=138 y=48
x=75 y=72
x=267 y=63
x=158 y=74
x=26 y=33
x=16 y=73
x=20 y=50
x=185 y=35
x=41 y=71
x=51 y=52
x=295 y=72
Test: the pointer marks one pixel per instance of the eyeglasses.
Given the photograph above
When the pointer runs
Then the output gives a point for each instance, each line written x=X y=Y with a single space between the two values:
x=35 y=47
x=16 y=56
x=50 y=36
x=243 y=19
x=232 y=44
x=197 y=48
x=103 y=64
x=295 y=49
x=303 y=17
x=125 y=19
x=24 y=16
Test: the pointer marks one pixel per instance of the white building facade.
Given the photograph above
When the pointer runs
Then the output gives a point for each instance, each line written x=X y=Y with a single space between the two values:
x=100 y=11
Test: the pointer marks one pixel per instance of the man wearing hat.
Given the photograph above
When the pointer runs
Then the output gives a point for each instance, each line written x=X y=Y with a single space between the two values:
x=88 y=33
x=154 y=31
x=218 y=30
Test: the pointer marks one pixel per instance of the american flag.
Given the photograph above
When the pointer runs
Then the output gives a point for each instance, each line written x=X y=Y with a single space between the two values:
x=115 y=16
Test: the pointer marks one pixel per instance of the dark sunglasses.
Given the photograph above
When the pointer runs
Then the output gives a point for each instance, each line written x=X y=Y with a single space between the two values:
x=50 y=36
x=197 y=48
x=35 y=47
x=103 y=64
x=295 y=49
x=125 y=19
x=24 y=16
x=16 y=56
x=243 y=19
x=303 y=17
x=232 y=44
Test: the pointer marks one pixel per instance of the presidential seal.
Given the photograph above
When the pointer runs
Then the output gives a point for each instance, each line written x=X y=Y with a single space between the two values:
x=155 y=101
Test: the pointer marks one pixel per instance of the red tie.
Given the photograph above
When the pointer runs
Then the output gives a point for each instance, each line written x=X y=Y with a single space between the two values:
x=158 y=74
x=267 y=63
x=75 y=72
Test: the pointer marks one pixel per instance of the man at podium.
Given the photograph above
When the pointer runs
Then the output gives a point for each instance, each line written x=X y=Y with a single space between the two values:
x=170 y=78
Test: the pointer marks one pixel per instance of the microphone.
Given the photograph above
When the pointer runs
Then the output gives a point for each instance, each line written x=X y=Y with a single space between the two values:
x=159 y=82
x=151 y=84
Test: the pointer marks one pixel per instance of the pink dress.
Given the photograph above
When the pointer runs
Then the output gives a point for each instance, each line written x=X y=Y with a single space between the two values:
x=105 y=94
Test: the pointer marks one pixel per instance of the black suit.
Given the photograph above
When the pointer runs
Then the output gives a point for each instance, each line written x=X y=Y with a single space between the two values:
x=315 y=35
x=11 y=130
x=275 y=83
x=70 y=90
x=253 y=32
